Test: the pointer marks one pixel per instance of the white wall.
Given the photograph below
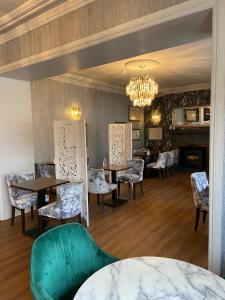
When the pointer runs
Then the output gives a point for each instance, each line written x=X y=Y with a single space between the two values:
x=16 y=137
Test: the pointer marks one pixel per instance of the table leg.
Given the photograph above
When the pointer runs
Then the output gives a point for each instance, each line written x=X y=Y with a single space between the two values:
x=41 y=198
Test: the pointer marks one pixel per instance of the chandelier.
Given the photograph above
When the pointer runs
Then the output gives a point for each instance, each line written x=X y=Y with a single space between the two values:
x=142 y=88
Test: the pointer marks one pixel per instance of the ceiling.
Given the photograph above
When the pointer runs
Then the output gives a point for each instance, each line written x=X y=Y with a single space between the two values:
x=6 y=6
x=183 y=65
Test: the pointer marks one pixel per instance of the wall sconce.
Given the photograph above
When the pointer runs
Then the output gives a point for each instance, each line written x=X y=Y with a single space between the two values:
x=155 y=117
x=75 y=112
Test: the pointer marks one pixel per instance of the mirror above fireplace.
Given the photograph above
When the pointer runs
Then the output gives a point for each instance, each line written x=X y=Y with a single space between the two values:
x=197 y=116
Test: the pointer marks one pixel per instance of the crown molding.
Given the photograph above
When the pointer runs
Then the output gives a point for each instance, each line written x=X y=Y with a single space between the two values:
x=31 y=7
x=183 y=89
x=23 y=11
x=89 y=83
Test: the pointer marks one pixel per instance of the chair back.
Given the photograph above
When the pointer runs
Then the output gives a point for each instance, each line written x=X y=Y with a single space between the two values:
x=170 y=158
x=70 y=197
x=97 y=183
x=200 y=189
x=41 y=170
x=176 y=156
x=137 y=165
x=15 y=193
x=62 y=259
x=161 y=161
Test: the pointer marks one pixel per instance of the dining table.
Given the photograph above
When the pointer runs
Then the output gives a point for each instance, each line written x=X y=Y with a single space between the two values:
x=144 y=278
x=114 y=169
x=39 y=186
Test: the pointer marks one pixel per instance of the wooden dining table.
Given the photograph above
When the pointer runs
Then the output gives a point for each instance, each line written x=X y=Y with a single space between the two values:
x=114 y=169
x=39 y=186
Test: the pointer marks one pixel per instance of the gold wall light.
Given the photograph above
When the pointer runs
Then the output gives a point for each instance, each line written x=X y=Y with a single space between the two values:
x=155 y=117
x=75 y=112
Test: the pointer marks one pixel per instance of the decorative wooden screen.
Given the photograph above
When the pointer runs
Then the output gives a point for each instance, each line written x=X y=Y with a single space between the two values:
x=120 y=143
x=71 y=155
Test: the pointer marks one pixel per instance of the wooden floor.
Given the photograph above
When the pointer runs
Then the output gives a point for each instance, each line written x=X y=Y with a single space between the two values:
x=159 y=223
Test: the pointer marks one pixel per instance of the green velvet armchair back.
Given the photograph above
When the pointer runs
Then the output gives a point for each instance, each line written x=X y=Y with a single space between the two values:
x=62 y=259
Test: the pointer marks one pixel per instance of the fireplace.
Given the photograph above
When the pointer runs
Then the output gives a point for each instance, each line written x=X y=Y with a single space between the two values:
x=193 y=157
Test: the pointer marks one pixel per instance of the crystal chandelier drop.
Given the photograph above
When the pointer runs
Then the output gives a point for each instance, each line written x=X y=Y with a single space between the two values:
x=142 y=90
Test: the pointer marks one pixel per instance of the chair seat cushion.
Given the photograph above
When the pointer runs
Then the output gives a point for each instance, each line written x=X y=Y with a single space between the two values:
x=153 y=165
x=112 y=186
x=54 y=210
x=132 y=178
x=26 y=200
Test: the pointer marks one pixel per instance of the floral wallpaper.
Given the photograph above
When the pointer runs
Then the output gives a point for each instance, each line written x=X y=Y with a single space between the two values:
x=166 y=104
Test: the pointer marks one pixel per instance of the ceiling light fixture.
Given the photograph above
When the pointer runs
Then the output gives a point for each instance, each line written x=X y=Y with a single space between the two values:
x=142 y=88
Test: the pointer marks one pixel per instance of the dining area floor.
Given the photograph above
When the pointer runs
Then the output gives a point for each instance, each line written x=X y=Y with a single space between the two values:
x=158 y=223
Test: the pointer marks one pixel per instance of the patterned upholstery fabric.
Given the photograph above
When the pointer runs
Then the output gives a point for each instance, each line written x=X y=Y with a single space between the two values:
x=170 y=158
x=160 y=163
x=20 y=198
x=41 y=170
x=97 y=183
x=176 y=156
x=200 y=188
x=134 y=174
x=68 y=204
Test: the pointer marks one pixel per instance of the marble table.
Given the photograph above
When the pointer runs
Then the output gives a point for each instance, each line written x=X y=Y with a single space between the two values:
x=146 y=278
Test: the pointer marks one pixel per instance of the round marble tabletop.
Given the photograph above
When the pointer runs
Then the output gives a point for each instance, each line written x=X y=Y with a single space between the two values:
x=146 y=278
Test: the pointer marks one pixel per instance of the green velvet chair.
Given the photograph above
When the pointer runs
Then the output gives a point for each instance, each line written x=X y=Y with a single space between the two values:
x=62 y=259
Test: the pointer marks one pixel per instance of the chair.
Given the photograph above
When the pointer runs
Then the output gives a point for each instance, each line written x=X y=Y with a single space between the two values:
x=67 y=206
x=176 y=158
x=133 y=176
x=170 y=161
x=98 y=185
x=159 y=165
x=41 y=170
x=62 y=259
x=200 y=189
x=20 y=199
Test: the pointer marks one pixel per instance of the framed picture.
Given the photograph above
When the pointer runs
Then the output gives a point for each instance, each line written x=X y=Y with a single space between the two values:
x=206 y=114
x=155 y=134
x=136 y=134
x=191 y=115
x=134 y=114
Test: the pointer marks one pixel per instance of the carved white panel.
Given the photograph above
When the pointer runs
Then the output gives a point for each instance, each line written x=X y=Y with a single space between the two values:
x=120 y=143
x=71 y=155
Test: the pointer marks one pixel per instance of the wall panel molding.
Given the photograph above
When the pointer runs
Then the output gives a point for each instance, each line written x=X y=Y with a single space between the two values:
x=89 y=83
x=34 y=6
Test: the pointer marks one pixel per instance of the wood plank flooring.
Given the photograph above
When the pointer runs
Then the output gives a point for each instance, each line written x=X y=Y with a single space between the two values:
x=159 y=223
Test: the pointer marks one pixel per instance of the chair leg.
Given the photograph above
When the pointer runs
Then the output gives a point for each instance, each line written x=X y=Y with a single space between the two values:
x=23 y=220
x=13 y=215
x=134 y=190
x=32 y=211
x=160 y=176
x=79 y=218
x=103 y=206
x=141 y=186
x=118 y=188
x=129 y=187
x=204 y=216
x=197 y=218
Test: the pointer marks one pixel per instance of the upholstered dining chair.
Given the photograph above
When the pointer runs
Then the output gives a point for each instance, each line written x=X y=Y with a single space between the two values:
x=159 y=165
x=62 y=259
x=98 y=185
x=68 y=204
x=20 y=199
x=133 y=176
x=170 y=161
x=176 y=158
x=41 y=170
x=200 y=189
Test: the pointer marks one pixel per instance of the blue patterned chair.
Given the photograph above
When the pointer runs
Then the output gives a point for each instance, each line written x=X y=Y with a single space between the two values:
x=68 y=204
x=200 y=189
x=176 y=158
x=133 y=176
x=170 y=161
x=159 y=165
x=20 y=199
x=98 y=185
x=41 y=170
